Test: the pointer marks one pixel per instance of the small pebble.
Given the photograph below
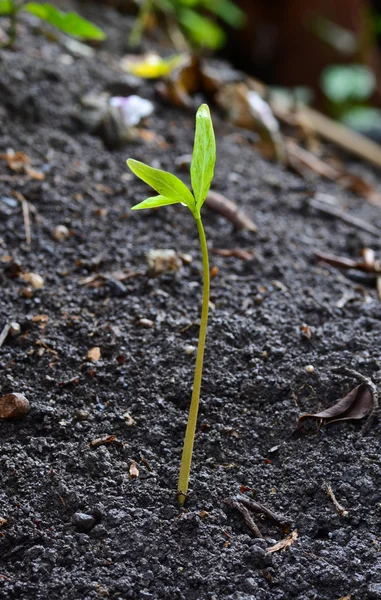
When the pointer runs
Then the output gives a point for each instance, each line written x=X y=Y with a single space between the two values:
x=83 y=522
x=310 y=368
x=60 y=233
x=147 y=323
x=189 y=349
x=15 y=328
x=82 y=414
x=13 y=406
x=34 y=279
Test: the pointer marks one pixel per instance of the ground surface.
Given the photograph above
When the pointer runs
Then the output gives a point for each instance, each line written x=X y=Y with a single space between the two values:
x=135 y=542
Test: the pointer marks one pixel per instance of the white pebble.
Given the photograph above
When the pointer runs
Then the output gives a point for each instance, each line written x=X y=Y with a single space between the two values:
x=310 y=368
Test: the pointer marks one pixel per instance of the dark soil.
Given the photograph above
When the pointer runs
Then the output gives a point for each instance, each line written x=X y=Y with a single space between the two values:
x=132 y=540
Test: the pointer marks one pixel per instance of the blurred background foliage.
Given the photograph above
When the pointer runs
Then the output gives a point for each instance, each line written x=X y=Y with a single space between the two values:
x=324 y=52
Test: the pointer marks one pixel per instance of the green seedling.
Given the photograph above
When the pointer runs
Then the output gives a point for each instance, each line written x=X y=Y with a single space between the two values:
x=69 y=23
x=173 y=191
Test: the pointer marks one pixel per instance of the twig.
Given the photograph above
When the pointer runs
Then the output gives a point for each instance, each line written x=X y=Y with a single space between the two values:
x=246 y=516
x=339 y=214
x=255 y=507
x=373 y=388
x=4 y=333
x=328 y=490
x=26 y=217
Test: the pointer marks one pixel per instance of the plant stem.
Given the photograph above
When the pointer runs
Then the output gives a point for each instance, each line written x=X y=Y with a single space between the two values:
x=186 y=458
x=140 y=23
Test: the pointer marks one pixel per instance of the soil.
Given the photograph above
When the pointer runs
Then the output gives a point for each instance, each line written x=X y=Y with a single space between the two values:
x=78 y=525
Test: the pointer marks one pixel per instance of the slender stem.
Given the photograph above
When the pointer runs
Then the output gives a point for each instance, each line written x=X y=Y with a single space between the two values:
x=140 y=23
x=186 y=458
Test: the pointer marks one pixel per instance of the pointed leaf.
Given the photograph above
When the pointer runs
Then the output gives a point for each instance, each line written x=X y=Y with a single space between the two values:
x=165 y=183
x=154 y=202
x=204 y=155
x=69 y=23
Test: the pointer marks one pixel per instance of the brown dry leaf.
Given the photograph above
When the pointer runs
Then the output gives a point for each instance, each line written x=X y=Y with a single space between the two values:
x=94 y=354
x=233 y=252
x=19 y=162
x=41 y=319
x=3 y=521
x=134 y=471
x=108 y=439
x=283 y=544
x=16 y=161
x=182 y=82
x=228 y=209
x=355 y=405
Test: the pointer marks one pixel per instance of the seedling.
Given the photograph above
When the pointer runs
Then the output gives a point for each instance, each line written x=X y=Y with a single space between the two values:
x=69 y=23
x=173 y=191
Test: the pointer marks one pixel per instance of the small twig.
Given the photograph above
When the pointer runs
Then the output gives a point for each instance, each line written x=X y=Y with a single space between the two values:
x=328 y=490
x=373 y=388
x=26 y=217
x=330 y=210
x=255 y=507
x=4 y=333
x=246 y=516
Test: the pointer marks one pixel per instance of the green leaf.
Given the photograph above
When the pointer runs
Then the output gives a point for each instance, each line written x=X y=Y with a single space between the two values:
x=6 y=7
x=165 y=183
x=69 y=23
x=228 y=11
x=204 y=155
x=154 y=202
x=202 y=30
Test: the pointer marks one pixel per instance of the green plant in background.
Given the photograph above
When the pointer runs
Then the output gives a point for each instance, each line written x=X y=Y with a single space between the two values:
x=348 y=89
x=189 y=21
x=173 y=191
x=69 y=23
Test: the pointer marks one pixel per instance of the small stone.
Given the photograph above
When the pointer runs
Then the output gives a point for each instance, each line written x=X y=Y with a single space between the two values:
x=13 y=406
x=162 y=260
x=82 y=414
x=14 y=328
x=27 y=292
x=189 y=349
x=147 y=323
x=35 y=280
x=310 y=368
x=60 y=233
x=83 y=522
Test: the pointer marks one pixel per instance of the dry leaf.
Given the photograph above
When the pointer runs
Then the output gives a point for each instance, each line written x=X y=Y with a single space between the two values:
x=355 y=405
x=94 y=354
x=134 y=471
x=228 y=209
x=184 y=81
x=283 y=544
x=3 y=521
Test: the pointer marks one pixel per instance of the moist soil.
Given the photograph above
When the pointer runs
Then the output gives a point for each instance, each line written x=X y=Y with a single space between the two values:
x=78 y=526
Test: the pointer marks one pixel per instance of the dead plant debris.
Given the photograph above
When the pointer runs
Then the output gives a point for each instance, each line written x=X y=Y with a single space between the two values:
x=229 y=209
x=283 y=544
x=248 y=508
